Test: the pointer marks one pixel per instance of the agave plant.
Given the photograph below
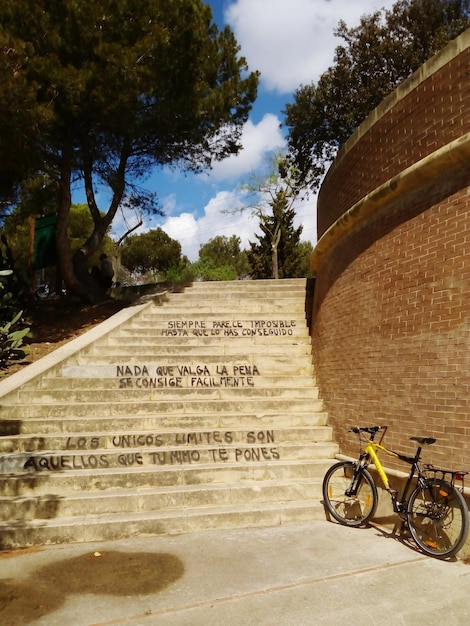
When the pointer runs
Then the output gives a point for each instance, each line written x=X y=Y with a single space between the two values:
x=11 y=339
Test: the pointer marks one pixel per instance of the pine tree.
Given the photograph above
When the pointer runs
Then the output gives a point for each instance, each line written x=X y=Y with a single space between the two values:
x=96 y=94
x=372 y=60
x=277 y=253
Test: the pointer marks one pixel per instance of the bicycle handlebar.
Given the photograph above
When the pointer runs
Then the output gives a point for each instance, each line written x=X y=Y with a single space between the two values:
x=372 y=430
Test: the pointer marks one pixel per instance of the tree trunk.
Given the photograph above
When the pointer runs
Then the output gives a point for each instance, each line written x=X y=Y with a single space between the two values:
x=274 y=261
x=274 y=255
x=74 y=272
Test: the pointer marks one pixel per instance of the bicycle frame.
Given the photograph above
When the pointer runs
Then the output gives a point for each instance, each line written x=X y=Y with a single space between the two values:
x=370 y=452
x=370 y=455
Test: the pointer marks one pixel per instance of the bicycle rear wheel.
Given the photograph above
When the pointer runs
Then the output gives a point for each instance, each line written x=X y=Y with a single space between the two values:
x=438 y=518
x=350 y=494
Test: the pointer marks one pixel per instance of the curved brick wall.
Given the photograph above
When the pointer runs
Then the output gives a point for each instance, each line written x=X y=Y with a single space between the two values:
x=391 y=311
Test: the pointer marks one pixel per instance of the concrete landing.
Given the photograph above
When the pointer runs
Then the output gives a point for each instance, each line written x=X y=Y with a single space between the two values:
x=319 y=574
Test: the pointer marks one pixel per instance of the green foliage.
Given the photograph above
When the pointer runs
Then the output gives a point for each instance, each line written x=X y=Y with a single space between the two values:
x=16 y=228
x=12 y=287
x=12 y=330
x=182 y=273
x=304 y=254
x=206 y=270
x=81 y=222
x=273 y=196
x=278 y=250
x=153 y=251
x=100 y=92
x=156 y=74
x=221 y=259
x=11 y=339
x=376 y=56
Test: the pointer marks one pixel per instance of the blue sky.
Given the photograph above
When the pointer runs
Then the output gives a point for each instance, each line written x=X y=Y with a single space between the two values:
x=291 y=43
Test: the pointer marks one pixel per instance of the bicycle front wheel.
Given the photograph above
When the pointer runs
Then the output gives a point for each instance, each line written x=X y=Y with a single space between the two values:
x=350 y=494
x=438 y=518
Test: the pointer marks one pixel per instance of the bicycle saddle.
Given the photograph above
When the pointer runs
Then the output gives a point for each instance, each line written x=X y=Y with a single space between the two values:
x=424 y=440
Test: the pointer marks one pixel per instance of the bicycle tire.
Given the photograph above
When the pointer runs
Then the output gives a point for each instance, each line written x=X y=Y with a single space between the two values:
x=350 y=510
x=437 y=517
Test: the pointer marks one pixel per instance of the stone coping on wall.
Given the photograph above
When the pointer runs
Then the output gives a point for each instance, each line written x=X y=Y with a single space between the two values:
x=433 y=65
x=437 y=164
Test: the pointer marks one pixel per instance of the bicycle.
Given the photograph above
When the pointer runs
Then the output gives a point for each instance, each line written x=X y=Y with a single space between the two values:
x=435 y=510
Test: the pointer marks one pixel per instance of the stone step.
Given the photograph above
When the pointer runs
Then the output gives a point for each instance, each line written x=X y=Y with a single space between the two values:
x=91 y=528
x=295 y=349
x=123 y=440
x=195 y=295
x=257 y=288
x=73 y=459
x=285 y=284
x=111 y=378
x=26 y=508
x=282 y=293
x=181 y=339
x=194 y=358
x=131 y=391
x=202 y=422
x=245 y=289
x=257 y=406
x=268 y=365
x=230 y=314
x=264 y=369
x=273 y=308
x=57 y=483
x=255 y=303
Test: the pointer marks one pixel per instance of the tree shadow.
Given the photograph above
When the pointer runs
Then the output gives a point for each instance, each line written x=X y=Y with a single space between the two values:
x=99 y=573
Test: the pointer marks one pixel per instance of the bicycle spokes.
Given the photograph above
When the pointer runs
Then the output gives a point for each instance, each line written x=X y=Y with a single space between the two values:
x=349 y=495
x=436 y=518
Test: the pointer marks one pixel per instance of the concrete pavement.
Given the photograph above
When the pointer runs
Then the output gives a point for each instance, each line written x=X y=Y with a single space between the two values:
x=295 y=575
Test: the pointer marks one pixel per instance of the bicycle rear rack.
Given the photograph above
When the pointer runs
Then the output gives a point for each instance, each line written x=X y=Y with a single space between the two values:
x=451 y=476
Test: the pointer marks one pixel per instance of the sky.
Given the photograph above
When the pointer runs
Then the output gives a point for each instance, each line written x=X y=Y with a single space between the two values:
x=291 y=42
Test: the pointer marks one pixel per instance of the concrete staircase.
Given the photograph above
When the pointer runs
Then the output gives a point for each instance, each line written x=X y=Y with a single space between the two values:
x=196 y=412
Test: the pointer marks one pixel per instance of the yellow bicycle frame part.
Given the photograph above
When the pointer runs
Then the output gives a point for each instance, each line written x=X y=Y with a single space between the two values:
x=370 y=449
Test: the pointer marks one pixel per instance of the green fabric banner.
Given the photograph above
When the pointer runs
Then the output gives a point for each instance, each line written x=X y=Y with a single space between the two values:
x=45 y=253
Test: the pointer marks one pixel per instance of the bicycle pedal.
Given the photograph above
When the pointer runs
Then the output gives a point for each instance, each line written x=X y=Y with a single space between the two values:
x=393 y=492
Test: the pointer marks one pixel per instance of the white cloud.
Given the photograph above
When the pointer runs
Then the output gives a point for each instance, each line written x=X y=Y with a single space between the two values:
x=258 y=140
x=219 y=218
x=222 y=215
x=306 y=215
x=291 y=42
x=169 y=204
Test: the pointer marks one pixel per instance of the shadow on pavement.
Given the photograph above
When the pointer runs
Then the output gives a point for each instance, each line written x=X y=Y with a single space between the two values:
x=100 y=573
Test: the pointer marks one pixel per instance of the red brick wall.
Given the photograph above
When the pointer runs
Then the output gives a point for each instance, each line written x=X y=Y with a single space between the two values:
x=391 y=329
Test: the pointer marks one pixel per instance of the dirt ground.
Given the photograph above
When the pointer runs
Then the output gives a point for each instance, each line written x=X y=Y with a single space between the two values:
x=55 y=322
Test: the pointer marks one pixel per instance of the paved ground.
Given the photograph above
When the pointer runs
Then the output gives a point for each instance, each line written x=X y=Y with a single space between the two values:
x=316 y=574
